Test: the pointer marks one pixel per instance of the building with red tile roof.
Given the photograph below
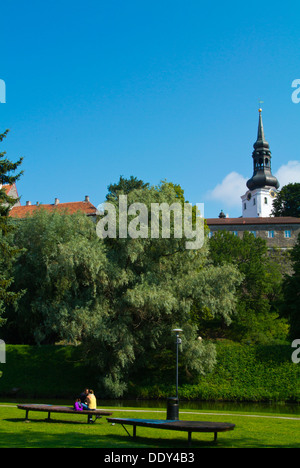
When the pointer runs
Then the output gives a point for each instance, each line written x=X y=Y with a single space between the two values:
x=85 y=207
x=18 y=211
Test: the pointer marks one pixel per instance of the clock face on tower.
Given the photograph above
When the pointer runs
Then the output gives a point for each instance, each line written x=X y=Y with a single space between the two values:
x=273 y=193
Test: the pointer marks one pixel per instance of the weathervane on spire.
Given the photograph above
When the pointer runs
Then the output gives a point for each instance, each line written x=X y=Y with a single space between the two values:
x=260 y=102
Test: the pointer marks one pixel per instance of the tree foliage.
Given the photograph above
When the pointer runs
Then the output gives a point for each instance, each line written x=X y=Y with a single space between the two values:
x=287 y=202
x=120 y=298
x=123 y=187
x=153 y=284
x=291 y=294
x=257 y=319
x=8 y=253
x=61 y=270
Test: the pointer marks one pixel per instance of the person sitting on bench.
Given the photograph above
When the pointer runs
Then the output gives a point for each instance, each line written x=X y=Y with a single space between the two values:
x=83 y=397
x=91 y=401
x=78 y=405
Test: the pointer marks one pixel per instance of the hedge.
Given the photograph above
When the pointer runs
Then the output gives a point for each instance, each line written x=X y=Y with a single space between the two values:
x=243 y=373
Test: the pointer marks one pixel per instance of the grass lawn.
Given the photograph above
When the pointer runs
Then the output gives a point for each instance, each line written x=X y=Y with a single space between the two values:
x=71 y=431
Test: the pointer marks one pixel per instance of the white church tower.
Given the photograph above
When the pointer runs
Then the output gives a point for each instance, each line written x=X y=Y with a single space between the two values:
x=263 y=186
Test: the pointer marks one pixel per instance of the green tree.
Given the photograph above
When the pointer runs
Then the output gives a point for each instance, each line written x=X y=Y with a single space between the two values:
x=287 y=202
x=291 y=291
x=123 y=187
x=120 y=298
x=8 y=253
x=153 y=284
x=257 y=317
x=61 y=269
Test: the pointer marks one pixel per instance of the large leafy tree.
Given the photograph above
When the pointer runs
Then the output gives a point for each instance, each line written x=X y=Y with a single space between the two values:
x=152 y=285
x=8 y=253
x=257 y=318
x=291 y=290
x=119 y=297
x=61 y=270
x=287 y=202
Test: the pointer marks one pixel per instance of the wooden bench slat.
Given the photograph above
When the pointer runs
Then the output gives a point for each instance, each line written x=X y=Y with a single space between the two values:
x=62 y=410
x=175 y=425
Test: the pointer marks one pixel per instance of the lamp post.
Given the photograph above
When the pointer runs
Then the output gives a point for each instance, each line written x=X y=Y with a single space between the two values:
x=178 y=342
x=173 y=403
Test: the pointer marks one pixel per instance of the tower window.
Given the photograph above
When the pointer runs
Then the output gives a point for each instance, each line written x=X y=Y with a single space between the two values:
x=254 y=201
x=266 y=201
x=245 y=206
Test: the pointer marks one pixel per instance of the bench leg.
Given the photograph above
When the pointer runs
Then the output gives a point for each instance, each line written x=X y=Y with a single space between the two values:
x=215 y=437
x=134 y=432
x=26 y=417
x=49 y=419
x=189 y=439
x=126 y=429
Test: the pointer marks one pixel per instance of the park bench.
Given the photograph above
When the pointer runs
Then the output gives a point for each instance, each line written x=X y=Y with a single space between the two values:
x=97 y=414
x=175 y=425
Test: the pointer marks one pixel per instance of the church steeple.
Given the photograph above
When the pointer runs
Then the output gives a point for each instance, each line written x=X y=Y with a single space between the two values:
x=262 y=175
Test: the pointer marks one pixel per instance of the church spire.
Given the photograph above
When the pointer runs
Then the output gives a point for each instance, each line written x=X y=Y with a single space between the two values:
x=262 y=175
x=260 y=132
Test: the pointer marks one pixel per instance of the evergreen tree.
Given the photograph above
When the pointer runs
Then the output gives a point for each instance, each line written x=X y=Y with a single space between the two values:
x=123 y=187
x=8 y=253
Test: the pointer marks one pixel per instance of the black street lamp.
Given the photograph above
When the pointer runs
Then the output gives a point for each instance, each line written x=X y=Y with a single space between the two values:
x=173 y=403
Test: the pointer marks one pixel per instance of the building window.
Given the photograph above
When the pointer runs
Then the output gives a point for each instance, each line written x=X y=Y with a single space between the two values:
x=287 y=234
x=235 y=233
x=245 y=206
x=270 y=234
x=253 y=232
x=266 y=201
x=254 y=201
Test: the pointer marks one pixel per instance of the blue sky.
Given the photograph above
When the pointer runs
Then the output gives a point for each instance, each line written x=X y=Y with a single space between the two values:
x=154 y=89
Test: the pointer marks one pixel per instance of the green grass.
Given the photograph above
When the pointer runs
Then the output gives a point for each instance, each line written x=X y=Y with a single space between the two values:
x=252 y=431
